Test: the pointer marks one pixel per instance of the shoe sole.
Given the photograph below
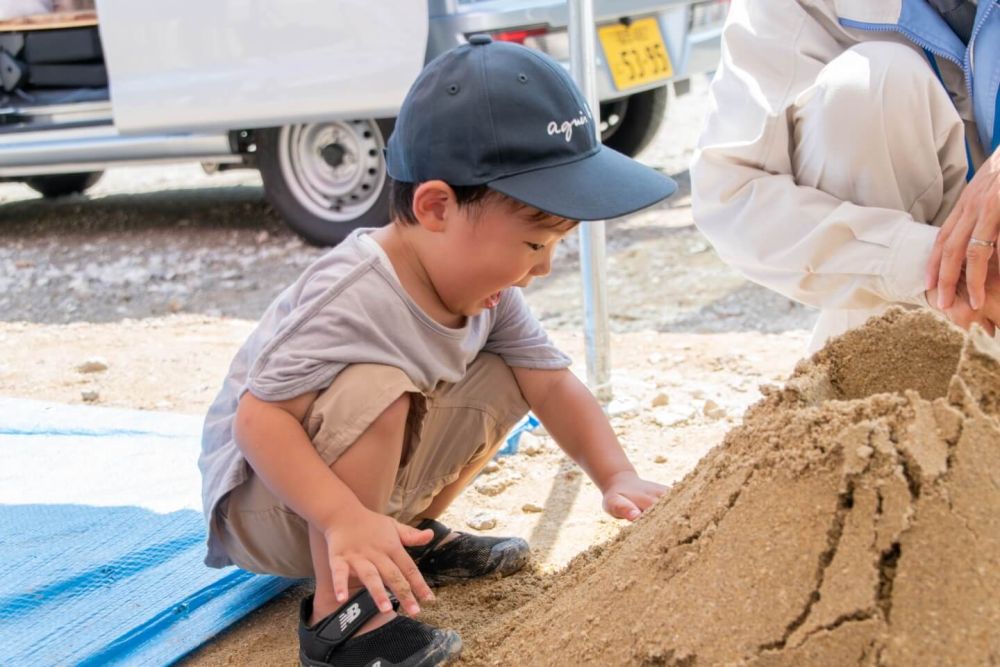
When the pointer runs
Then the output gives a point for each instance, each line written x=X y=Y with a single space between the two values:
x=444 y=648
x=509 y=557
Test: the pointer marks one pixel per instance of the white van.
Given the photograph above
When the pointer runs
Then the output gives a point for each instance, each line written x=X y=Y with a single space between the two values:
x=302 y=90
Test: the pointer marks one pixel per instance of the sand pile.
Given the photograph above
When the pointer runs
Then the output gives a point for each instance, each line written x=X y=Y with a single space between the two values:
x=854 y=518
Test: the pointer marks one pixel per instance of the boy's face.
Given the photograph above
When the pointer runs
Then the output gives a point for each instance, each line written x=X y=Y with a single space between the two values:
x=485 y=249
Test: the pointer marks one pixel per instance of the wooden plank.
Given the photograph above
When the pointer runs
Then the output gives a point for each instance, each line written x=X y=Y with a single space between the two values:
x=50 y=21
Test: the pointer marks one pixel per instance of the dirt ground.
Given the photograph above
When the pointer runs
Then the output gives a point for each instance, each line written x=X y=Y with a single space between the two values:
x=161 y=272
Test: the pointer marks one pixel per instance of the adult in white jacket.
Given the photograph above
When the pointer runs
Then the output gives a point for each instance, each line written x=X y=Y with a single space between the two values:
x=842 y=135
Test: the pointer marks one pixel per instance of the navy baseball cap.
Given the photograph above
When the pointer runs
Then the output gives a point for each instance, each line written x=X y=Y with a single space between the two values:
x=508 y=117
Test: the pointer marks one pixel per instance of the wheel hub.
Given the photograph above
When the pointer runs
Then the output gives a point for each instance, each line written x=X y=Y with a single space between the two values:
x=333 y=154
x=334 y=169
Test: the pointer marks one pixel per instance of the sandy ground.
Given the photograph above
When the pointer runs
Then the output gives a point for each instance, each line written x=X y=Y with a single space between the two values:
x=663 y=383
x=851 y=519
x=162 y=272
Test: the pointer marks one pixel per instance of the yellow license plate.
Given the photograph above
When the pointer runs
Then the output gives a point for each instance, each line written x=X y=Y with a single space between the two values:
x=635 y=53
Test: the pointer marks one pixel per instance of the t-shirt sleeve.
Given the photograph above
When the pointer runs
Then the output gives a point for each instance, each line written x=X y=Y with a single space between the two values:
x=291 y=368
x=518 y=337
x=301 y=356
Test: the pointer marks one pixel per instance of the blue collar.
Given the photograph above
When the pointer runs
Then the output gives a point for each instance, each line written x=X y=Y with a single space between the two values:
x=923 y=21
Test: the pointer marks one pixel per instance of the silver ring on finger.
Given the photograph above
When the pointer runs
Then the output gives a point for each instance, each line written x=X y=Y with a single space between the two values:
x=988 y=244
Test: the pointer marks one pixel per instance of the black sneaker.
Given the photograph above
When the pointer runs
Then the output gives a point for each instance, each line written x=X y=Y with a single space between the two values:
x=466 y=557
x=402 y=642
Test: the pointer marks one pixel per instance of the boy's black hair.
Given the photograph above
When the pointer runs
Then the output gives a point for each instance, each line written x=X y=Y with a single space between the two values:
x=401 y=202
x=401 y=198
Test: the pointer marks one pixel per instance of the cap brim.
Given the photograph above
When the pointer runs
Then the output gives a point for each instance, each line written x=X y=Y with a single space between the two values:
x=604 y=185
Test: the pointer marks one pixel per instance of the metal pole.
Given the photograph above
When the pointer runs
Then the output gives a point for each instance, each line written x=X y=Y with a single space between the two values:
x=593 y=264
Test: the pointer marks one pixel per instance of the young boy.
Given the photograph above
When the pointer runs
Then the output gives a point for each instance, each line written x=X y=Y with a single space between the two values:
x=377 y=386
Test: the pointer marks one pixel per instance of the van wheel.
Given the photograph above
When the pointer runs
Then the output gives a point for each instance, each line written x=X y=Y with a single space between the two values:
x=326 y=179
x=60 y=185
x=638 y=118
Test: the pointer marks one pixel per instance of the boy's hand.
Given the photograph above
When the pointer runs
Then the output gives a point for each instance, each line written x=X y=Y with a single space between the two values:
x=627 y=495
x=370 y=545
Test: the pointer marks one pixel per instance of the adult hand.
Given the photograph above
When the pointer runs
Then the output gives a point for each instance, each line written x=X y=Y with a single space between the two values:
x=370 y=545
x=961 y=312
x=976 y=216
x=627 y=495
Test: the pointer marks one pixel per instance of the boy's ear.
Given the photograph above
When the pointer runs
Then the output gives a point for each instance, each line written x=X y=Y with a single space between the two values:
x=433 y=202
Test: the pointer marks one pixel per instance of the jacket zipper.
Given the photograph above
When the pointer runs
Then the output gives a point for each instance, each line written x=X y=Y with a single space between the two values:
x=970 y=54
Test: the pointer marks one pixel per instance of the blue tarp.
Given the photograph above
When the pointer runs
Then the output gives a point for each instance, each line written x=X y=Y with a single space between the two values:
x=529 y=423
x=101 y=539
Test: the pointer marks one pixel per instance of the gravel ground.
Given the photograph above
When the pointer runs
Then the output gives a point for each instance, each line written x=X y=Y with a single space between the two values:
x=171 y=239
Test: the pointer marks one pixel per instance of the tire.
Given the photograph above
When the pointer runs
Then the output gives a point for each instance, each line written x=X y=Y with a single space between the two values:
x=60 y=185
x=640 y=118
x=326 y=179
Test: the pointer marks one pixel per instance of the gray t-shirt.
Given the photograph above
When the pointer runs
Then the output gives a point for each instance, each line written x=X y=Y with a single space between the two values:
x=349 y=307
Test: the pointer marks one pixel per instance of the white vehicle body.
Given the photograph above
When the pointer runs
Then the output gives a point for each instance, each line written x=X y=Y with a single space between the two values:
x=194 y=66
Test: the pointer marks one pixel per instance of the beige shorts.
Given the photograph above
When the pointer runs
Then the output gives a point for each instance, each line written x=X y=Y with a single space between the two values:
x=449 y=428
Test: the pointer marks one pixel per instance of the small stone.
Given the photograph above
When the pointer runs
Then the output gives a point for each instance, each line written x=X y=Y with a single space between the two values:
x=660 y=400
x=495 y=485
x=175 y=305
x=713 y=410
x=89 y=396
x=531 y=445
x=623 y=407
x=262 y=237
x=532 y=508
x=697 y=248
x=491 y=467
x=482 y=521
x=864 y=452
x=93 y=365
x=660 y=458
x=671 y=416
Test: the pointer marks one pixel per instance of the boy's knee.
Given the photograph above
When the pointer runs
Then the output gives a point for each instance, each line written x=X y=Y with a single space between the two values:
x=393 y=418
x=492 y=365
x=363 y=397
x=491 y=377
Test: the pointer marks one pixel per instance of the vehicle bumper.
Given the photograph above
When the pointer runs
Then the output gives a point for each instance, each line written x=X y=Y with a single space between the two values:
x=452 y=22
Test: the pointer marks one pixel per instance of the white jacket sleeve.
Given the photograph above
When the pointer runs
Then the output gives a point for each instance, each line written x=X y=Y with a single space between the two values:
x=796 y=240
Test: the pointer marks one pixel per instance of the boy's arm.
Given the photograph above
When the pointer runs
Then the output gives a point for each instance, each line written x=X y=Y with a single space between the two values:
x=572 y=415
x=271 y=436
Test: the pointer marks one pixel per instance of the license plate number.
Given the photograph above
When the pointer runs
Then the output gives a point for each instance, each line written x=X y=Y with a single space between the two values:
x=635 y=53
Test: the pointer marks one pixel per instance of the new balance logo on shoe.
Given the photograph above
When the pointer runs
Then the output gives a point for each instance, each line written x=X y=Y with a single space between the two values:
x=349 y=616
